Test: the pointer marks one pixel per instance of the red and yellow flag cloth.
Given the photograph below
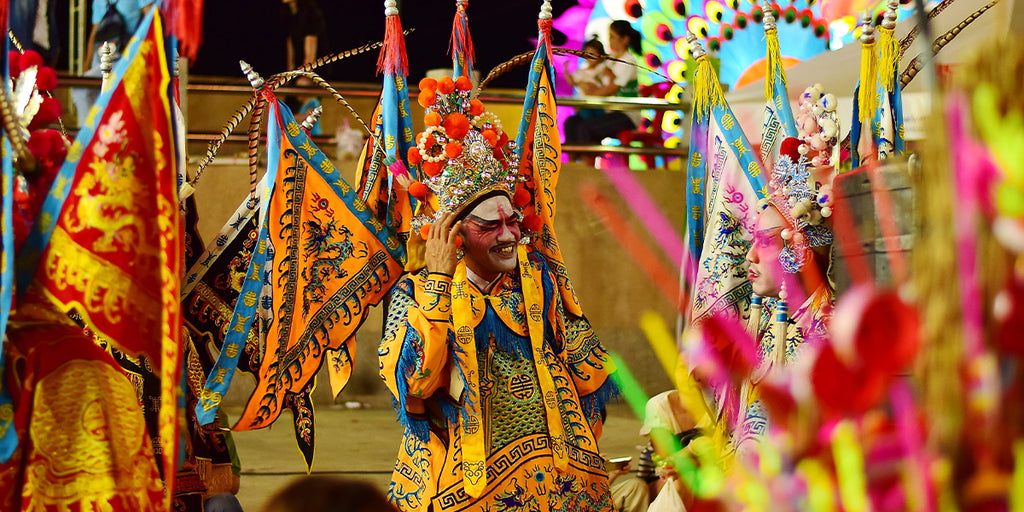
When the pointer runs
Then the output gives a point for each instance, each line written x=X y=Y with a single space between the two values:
x=85 y=445
x=327 y=259
x=108 y=241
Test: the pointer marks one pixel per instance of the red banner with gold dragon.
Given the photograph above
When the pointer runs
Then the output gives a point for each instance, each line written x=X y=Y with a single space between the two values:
x=111 y=251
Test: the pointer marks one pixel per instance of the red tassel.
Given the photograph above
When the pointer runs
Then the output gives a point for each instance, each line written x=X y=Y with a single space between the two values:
x=544 y=25
x=4 y=9
x=392 y=60
x=185 y=20
x=461 y=44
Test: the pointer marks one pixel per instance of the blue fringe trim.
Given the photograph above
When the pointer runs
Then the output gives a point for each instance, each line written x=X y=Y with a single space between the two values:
x=451 y=412
x=594 y=402
x=406 y=366
x=504 y=338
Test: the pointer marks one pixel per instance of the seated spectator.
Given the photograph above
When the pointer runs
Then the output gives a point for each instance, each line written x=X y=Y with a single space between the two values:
x=665 y=415
x=629 y=493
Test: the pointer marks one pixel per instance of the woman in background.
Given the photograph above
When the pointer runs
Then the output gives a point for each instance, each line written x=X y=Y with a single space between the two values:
x=624 y=42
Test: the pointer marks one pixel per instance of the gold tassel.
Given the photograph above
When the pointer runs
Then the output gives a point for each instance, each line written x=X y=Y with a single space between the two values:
x=868 y=75
x=754 y=321
x=889 y=55
x=774 y=63
x=707 y=92
x=779 y=333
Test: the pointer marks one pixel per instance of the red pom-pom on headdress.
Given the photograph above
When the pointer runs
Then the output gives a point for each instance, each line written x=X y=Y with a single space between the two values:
x=532 y=223
x=463 y=83
x=446 y=85
x=476 y=107
x=48 y=147
x=432 y=119
x=418 y=190
x=413 y=155
x=433 y=168
x=39 y=144
x=31 y=58
x=429 y=141
x=453 y=149
x=790 y=147
x=59 y=146
x=521 y=198
x=426 y=98
x=490 y=137
x=428 y=84
x=46 y=79
x=456 y=125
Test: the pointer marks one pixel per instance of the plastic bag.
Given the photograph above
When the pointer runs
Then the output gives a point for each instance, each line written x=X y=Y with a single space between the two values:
x=668 y=499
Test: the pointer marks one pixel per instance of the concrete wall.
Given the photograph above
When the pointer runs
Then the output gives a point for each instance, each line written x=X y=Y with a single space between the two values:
x=612 y=288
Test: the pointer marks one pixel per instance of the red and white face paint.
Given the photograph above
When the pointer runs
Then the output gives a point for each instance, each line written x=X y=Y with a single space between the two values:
x=491 y=233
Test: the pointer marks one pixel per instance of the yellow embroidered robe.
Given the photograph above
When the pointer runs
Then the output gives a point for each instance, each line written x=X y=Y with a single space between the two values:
x=421 y=365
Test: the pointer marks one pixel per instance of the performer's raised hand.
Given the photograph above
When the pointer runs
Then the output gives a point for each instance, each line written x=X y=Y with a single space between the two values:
x=442 y=245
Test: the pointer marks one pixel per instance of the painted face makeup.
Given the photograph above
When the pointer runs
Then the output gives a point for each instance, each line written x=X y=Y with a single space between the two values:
x=764 y=253
x=491 y=233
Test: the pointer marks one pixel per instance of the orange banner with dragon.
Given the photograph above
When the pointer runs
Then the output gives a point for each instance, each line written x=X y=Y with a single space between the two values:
x=332 y=259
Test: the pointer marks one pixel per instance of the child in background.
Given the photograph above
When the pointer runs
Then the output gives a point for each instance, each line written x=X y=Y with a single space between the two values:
x=591 y=76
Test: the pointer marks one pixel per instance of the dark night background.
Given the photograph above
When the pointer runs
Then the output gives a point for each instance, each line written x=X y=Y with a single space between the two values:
x=254 y=31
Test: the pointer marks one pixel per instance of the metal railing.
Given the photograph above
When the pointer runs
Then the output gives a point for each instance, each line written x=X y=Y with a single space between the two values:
x=356 y=90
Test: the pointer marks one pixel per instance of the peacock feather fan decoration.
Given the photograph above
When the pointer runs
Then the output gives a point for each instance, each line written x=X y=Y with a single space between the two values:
x=731 y=30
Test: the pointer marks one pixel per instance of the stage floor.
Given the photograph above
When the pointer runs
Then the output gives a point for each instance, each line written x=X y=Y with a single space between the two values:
x=362 y=444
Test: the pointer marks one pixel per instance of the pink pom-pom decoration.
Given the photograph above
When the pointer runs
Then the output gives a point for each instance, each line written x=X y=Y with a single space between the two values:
x=396 y=166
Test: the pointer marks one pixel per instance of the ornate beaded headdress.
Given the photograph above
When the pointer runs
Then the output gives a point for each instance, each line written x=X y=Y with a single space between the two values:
x=463 y=152
x=801 y=180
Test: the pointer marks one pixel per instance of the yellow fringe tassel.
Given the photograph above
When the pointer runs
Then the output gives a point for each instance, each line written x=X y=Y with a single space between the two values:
x=707 y=92
x=889 y=56
x=773 y=62
x=868 y=75
x=1017 y=484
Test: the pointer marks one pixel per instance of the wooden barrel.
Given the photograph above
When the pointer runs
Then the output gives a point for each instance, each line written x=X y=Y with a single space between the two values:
x=873 y=222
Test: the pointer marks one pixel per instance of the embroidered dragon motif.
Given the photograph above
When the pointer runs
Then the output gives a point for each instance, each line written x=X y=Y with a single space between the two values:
x=326 y=254
x=517 y=499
